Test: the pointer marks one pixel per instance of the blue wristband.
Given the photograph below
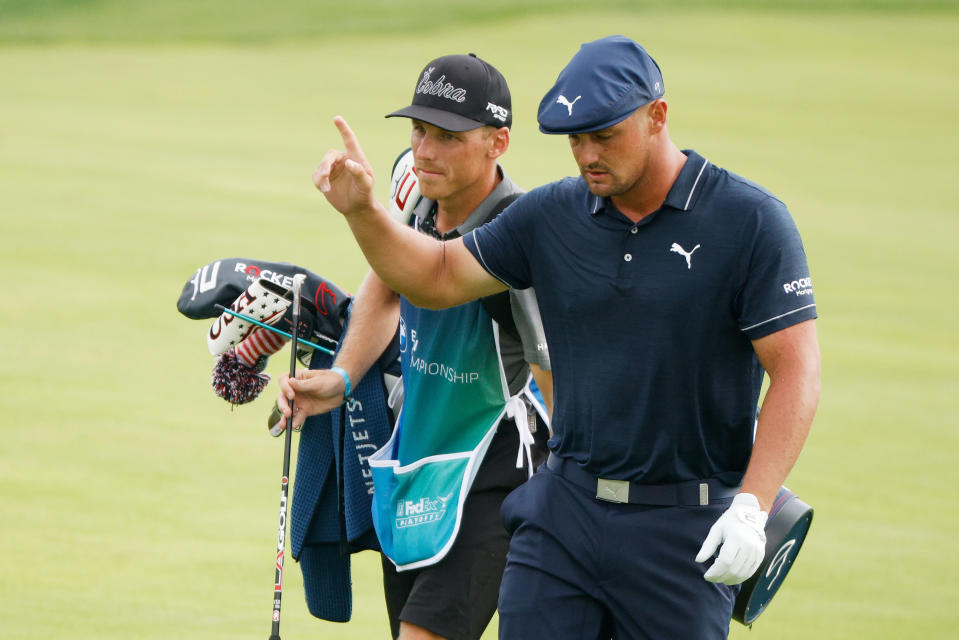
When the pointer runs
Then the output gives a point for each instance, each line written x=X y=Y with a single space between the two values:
x=346 y=381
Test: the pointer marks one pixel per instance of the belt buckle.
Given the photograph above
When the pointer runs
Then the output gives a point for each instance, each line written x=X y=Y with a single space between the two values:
x=612 y=490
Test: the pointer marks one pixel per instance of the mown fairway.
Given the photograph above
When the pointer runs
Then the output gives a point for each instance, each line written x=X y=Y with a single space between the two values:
x=137 y=144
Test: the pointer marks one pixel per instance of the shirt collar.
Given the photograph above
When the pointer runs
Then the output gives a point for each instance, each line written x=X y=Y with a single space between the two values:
x=682 y=195
x=482 y=211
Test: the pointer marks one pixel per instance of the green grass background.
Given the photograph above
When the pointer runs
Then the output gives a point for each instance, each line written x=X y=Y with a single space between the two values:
x=140 y=140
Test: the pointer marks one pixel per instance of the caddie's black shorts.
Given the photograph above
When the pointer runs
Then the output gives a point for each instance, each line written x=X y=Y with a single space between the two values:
x=456 y=597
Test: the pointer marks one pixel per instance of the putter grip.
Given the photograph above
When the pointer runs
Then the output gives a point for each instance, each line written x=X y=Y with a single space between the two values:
x=298 y=280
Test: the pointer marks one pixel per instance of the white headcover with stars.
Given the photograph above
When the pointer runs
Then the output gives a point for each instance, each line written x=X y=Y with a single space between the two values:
x=263 y=300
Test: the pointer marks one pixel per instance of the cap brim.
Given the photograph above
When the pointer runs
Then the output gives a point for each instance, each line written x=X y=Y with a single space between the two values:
x=437 y=118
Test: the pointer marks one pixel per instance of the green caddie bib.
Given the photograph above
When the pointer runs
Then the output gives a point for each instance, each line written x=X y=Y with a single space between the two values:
x=455 y=395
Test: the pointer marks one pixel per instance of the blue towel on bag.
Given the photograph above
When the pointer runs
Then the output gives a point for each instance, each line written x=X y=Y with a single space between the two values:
x=331 y=514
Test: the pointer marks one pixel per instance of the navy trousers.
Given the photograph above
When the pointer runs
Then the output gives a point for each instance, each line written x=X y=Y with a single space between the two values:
x=579 y=568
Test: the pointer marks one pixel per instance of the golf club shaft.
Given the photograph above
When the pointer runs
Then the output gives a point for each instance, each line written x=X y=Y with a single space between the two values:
x=285 y=482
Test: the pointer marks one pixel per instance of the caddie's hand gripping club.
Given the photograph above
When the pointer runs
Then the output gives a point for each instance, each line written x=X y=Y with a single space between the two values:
x=285 y=482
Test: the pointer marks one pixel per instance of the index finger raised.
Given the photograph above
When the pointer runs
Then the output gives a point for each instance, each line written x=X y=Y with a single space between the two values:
x=349 y=138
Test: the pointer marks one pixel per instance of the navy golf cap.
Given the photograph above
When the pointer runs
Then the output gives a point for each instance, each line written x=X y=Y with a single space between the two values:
x=459 y=93
x=604 y=83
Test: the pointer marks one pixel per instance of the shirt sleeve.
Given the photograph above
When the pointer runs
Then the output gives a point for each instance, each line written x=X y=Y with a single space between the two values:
x=777 y=292
x=530 y=326
x=501 y=246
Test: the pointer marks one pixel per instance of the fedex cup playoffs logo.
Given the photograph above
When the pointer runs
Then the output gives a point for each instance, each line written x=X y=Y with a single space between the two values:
x=412 y=513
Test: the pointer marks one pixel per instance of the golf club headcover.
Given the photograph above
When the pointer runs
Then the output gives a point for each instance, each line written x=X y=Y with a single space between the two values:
x=238 y=374
x=258 y=347
x=236 y=382
x=263 y=300
x=404 y=188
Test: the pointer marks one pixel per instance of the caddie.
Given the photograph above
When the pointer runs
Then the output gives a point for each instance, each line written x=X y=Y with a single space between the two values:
x=667 y=287
x=473 y=423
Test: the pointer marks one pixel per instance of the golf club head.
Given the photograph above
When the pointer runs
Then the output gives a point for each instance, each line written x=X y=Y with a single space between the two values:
x=275 y=423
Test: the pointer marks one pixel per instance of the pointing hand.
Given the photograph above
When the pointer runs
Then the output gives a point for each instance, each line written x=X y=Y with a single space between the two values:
x=346 y=178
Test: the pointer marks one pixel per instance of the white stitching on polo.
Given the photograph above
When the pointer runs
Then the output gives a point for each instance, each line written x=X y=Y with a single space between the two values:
x=698 y=176
x=597 y=203
x=778 y=317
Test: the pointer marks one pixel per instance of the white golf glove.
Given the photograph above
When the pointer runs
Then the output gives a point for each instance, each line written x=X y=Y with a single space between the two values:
x=741 y=532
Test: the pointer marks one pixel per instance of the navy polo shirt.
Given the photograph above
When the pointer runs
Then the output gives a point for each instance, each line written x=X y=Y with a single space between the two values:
x=649 y=324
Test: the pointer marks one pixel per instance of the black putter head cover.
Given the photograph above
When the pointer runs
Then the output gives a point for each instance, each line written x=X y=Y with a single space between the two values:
x=786 y=529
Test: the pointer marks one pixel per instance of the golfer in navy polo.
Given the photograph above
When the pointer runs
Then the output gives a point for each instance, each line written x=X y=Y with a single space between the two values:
x=667 y=287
